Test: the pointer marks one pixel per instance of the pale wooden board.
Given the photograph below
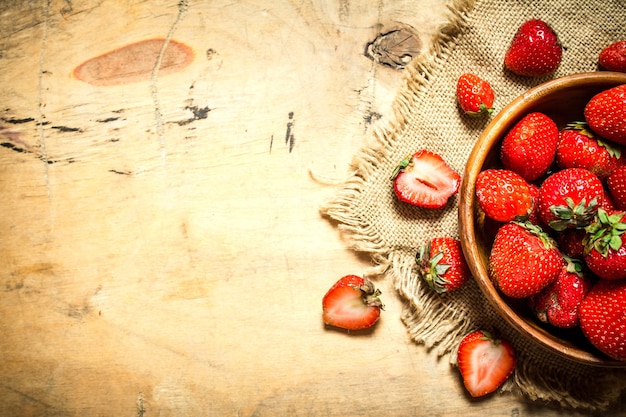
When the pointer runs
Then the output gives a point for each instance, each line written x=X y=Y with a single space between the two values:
x=157 y=263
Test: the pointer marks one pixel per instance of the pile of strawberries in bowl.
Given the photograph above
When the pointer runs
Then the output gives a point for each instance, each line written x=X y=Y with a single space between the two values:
x=543 y=215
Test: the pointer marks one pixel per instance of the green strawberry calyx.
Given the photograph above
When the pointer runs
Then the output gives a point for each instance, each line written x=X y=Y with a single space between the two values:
x=577 y=215
x=535 y=230
x=605 y=233
x=431 y=271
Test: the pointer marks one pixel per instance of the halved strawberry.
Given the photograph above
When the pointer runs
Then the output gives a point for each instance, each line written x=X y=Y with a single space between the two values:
x=351 y=303
x=424 y=179
x=485 y=363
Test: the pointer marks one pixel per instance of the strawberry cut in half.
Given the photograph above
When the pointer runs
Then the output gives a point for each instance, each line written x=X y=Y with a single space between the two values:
x=425 y=180
x=485 y=363
x=352 y=303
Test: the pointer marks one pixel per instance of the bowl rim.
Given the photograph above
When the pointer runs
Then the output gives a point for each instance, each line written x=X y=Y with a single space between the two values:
x=501 y=122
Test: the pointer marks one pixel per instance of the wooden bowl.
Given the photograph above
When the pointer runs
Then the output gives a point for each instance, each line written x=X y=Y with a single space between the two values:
x=563 y=100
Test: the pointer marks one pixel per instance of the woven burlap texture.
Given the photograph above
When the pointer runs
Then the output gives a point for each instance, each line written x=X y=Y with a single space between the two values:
x=426 y=115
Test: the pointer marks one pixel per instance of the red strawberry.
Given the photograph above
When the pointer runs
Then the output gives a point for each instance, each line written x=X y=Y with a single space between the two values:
x=523 y=260
x=569 y=198
x=558 y=303
x=606 y=114
x=534 y=51
x=616 y=184
x=351 y=303
x=503 y=195
x=425 y=180
x=474 y=94
x=613 y=57
x=441 y=264
x=605 y=246
x=484 y=362
x=529 y=147
x=579 y=147
x=602 y=317
x=570 y=242
x=533 y=217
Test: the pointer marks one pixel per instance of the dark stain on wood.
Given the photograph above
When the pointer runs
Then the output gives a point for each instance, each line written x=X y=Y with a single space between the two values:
x=395 y=48
x=66 y=129
x=14 y=121
x=198 y=113
x=107 y=120
x=290 y=139
x=134 y=62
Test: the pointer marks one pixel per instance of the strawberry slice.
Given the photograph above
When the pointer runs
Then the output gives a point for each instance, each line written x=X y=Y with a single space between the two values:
x=351 y=303
x=424 y=179
x=485 y=363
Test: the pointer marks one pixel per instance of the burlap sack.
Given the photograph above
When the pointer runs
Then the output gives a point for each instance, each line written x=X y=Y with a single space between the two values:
x=427 y=116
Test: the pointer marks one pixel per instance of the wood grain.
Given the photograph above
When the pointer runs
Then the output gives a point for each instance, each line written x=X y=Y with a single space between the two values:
x=162 y=251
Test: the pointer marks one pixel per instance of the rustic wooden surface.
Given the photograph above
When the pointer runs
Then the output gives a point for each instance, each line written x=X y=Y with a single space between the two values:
x=162 y=250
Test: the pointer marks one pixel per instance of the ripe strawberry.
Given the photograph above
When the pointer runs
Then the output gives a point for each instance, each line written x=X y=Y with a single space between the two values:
x=569 y=198
x=606 y=114
x=558 y=303
x=484 y=362
x=616 y=184
x=605 y=248
x=533 y=217
x=529 y=147
x=570 y=242
x=475 y=95
x=351 y=303
x=579 y=147
x=425 y=180
x=523 y=260
x=534 y=51
x=613 y=57
x=503 y=195
x=441 y=264
x=602 y=317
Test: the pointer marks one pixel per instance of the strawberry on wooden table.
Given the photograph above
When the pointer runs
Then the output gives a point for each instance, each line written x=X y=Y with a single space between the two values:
x=579 y=147
x=535 y=50
x=602 y=317
x=616 y=183
x=569 y=198
x=352 y=303
x=441 y=264
x=606 y=114
x=523 y=260
x=425 y=180
x=474 y=94
x=529 y=148
x=504 y=195
x=605 y=245
x=485 y=363
x=613 y=57
x=558 y=303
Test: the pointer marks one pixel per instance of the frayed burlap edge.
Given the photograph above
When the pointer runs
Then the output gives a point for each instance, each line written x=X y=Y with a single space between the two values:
x=429 y=319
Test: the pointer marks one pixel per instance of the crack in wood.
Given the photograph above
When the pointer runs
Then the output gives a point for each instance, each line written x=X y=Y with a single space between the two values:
x=182 y=10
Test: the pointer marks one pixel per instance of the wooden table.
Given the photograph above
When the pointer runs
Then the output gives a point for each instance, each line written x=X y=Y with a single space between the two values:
x=162 y=248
